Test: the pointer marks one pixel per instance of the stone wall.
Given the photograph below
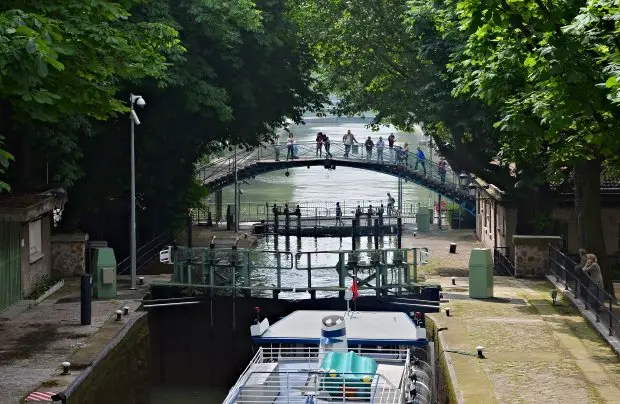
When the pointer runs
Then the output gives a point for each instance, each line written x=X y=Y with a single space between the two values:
x=445 y=379
x=532 y=255
x=34 y=270
x=68 y=252
x=121 y=374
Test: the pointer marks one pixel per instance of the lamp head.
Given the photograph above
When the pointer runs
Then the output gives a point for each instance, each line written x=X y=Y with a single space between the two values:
x=140 y=102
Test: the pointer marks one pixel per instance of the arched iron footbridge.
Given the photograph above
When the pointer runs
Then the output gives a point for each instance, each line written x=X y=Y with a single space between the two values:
x=243 y=164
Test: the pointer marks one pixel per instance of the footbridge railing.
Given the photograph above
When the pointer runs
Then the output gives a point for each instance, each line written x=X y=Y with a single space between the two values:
x=249 y=272
x=242 y=164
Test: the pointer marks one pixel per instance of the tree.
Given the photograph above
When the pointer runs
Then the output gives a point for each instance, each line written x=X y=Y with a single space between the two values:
x=541 y=66
x=392 y=57
x=61 y=64
x=245 y=70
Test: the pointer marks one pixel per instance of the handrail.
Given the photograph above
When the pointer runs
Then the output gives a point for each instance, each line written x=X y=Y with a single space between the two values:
x=144 y=254
x=400 y=160
x=563 y=268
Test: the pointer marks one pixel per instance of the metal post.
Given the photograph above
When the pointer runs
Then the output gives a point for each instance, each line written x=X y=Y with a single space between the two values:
x=399 y=232
x=236 y=194
x=189 y=229
x=354 y=234
x=86 y=298
x=376 y=234
x=400 y=195
x=134 y=277
x=439 y=211
x=341 y=269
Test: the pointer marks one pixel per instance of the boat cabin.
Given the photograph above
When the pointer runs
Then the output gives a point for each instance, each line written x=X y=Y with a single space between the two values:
x=334 y=356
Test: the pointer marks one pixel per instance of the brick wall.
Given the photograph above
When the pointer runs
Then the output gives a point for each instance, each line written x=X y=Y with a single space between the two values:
x=532 y=255
x=122 y=374
x=68 y=252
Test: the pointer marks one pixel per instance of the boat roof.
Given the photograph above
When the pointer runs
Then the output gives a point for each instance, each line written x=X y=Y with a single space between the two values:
x=362 y=328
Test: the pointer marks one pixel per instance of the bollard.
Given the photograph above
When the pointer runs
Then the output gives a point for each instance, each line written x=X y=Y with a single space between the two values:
x=447 y=312
x=125 y=310
x=66 y=366
x=453 y=280
x=452 y=248
x=119 y=314
x=141 y=280
x=480 y=350
x=86 y=298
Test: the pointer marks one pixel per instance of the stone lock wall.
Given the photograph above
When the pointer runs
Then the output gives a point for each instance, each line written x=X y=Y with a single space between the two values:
x=68 y=254
x=532 y=255
x=121 y=373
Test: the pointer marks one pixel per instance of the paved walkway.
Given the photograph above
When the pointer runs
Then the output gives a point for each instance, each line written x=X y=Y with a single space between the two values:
x=535 y=352
x=34 y=342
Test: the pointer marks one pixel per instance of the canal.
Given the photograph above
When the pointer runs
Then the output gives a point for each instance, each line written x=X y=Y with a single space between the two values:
x=313 y=185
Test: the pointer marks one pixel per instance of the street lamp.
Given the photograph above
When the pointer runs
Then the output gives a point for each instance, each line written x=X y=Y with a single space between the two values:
x=133 y=117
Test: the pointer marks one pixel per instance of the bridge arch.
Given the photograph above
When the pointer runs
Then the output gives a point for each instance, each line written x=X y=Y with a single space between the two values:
x=268 y=158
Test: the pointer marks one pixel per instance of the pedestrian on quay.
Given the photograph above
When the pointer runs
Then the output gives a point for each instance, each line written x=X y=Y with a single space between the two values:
x=369 y=214
x=380 y=147
x=391 y=139
x=369 y=144
x=348 y=141
x=593 y=270
x=390 y=204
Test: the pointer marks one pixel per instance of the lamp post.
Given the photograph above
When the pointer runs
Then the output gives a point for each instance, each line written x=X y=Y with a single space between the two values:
x=133 y=117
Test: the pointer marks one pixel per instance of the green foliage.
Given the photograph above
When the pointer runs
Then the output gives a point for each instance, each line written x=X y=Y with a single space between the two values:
x=5 y=159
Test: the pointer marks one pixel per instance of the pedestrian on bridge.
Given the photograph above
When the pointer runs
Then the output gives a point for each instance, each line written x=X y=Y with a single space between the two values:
x=369 y=214
x=339 y=215
x=380 y=147
x=390 y=204
x=391 y=139
x=319 y=144
x=276 y=149
x=289 y=147
x=369 y=145
x=441 y=166
x=327 y=145
x=421 y=159
x=348 y=141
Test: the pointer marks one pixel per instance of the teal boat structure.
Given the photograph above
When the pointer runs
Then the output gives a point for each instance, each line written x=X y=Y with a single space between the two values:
x=317 y=356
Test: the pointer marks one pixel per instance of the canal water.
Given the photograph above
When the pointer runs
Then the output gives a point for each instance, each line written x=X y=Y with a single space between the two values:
x=313 y=185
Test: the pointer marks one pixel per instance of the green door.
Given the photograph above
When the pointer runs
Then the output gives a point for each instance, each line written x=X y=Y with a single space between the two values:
x=10 y=265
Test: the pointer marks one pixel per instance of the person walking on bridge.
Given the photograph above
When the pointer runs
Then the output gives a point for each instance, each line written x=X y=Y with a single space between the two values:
x=348 y=141
x=319 y=144
x=289 y=147
x=380 y=147
x=338 y=215
x=420 y=159
x=391 y=139
x=390 y=204
x=441 y=166
x=369 y=145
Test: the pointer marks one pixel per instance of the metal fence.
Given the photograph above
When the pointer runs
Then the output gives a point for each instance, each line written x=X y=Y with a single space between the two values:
x=502 y=264
x=603 y=305
x=259 y=211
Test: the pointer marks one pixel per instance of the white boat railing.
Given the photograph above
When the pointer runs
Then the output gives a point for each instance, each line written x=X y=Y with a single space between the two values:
x=292 y=375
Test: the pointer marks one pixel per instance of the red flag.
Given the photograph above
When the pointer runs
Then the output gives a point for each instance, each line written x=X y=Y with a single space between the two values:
x=354 y=289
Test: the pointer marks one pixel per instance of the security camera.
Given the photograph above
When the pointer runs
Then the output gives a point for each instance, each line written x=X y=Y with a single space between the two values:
x=140 y=102
x=134 y=117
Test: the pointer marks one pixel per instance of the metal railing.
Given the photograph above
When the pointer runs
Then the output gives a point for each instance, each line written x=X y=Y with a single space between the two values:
x=248 y=271
x=502 y=265
x=395 y=158
x=603 y=305
x=145 y=254
x=256 y=212
x=293 y=375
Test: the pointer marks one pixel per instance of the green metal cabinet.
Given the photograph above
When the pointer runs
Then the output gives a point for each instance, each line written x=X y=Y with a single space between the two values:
x=481 y=273
x=104 y=273
x=423 y=220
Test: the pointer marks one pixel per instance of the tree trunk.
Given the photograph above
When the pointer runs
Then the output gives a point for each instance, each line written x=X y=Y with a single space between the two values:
x=588 y=210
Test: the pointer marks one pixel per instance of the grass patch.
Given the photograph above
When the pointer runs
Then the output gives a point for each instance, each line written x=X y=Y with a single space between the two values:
x=41 y=287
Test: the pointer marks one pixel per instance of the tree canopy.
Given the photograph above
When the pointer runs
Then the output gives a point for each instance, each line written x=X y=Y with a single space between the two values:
x=525 y=82
x=209 y=71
